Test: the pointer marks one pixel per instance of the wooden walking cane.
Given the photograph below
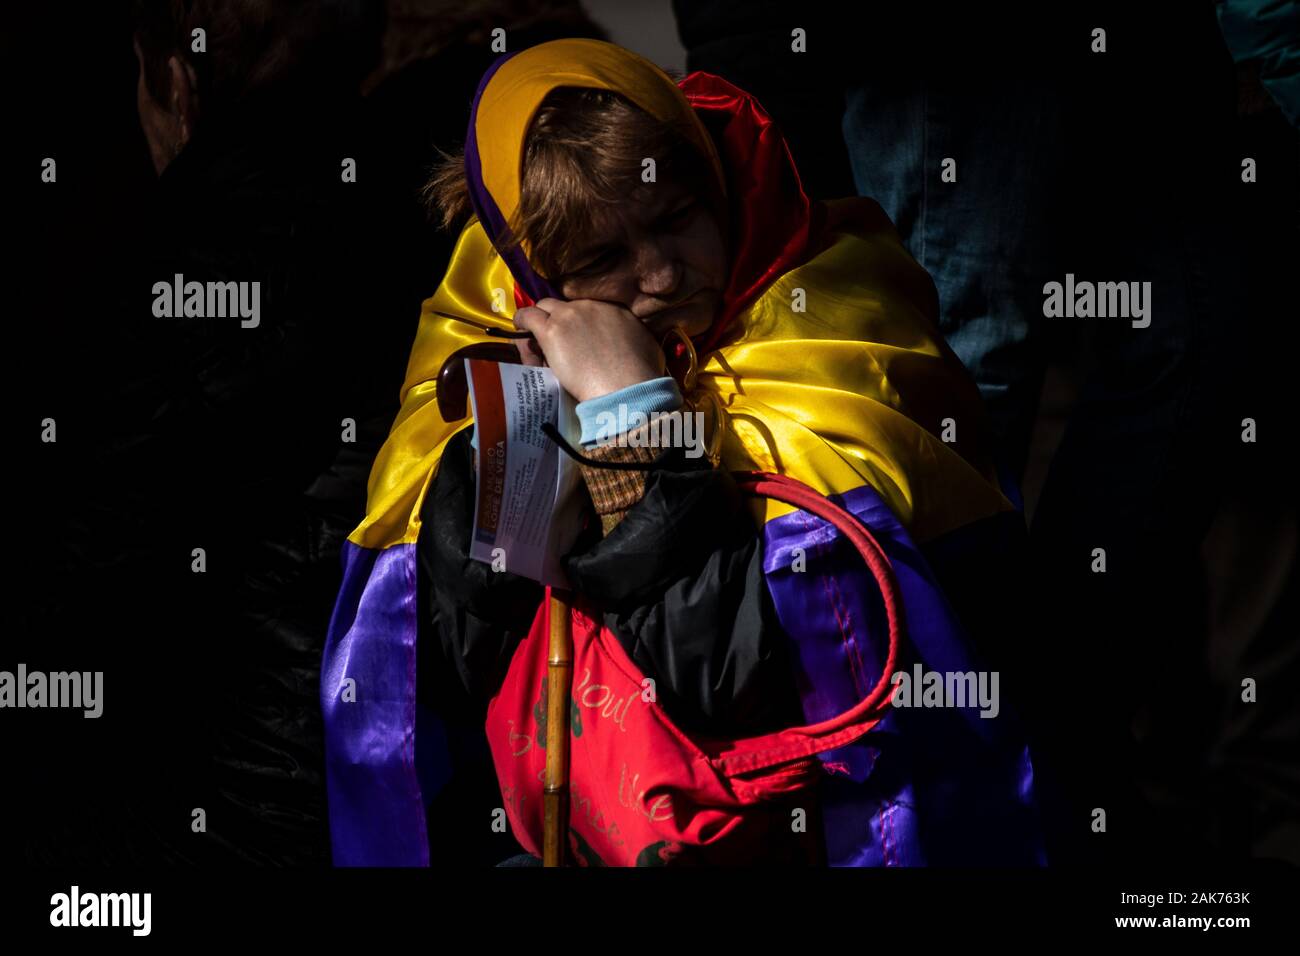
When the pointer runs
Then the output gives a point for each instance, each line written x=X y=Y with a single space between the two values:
x=559 y=681
x=559 y=664
x=452 y=396
x=453 y=401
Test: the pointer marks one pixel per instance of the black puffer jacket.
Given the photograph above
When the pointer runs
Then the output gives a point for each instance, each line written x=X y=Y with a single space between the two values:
x=679 y=579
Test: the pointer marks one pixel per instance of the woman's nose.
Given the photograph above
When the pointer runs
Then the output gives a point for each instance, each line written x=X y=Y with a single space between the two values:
x=658 y=270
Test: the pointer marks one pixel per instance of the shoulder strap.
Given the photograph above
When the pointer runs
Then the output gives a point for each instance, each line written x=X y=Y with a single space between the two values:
x=734 y=758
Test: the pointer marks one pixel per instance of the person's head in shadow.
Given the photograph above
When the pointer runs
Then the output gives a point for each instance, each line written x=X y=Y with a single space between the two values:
x=203 y=60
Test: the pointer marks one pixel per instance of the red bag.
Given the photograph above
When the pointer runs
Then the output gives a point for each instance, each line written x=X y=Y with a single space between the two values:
x=641 y=792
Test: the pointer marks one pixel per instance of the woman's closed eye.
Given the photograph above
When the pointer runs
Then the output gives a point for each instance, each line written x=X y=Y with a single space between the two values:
x=679 y=218
x=602 y=262
x=681 y=215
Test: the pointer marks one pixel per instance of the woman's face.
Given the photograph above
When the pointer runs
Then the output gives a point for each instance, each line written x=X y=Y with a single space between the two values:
x=661 y=255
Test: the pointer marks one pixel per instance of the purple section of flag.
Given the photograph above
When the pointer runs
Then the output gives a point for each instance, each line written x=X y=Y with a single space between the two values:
x=926 y=785
x=485 y=205
x=376 y=805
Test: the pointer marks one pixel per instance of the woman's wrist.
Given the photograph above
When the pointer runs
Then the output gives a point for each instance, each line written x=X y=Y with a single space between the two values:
x=607 y=416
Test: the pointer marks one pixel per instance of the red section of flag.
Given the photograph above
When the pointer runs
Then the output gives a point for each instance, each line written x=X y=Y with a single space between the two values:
x=773 y=226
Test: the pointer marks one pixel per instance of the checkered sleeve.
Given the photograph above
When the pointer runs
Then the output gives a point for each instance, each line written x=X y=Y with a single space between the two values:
x=613 y=491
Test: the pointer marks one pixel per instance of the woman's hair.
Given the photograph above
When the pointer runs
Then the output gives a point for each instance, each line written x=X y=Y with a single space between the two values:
x=584 y=149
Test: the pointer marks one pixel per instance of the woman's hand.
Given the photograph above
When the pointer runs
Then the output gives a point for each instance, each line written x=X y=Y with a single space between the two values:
x=593 y=347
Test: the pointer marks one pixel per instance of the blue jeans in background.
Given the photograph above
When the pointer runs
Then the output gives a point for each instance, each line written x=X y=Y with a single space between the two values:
x=985 y=238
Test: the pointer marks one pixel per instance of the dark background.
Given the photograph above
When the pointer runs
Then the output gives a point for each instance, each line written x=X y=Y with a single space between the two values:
x=171 y=438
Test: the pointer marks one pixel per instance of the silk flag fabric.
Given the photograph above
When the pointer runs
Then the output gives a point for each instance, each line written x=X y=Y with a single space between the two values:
x=849 y=395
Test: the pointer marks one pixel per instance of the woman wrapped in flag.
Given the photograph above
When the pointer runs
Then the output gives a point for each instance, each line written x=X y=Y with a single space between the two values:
x=730 y=652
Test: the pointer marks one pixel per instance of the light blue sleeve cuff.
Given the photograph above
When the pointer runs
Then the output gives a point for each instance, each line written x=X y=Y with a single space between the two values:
x=656 y=395
x=601 y=417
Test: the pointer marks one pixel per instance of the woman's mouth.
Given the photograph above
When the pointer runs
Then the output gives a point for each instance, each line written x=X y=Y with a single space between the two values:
x=660 y=321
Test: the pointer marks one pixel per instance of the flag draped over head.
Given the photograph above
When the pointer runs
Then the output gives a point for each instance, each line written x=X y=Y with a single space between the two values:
x=826 y=357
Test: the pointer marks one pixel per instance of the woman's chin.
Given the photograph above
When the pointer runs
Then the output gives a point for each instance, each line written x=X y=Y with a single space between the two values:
x=696 y=318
